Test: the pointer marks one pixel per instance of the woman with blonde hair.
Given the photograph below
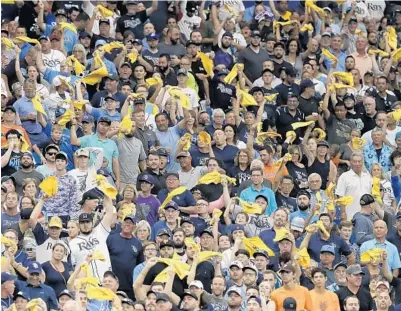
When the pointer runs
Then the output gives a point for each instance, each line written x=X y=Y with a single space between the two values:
x=143 y=231
x=386 y=190
x=129 y=195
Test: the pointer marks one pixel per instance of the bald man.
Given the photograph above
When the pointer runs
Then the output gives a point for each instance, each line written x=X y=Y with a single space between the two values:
x=379 y=241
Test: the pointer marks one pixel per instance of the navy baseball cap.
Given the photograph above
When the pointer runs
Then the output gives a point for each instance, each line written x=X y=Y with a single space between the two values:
x=236 y=227
x=152 y=36
x=105 y=120
x=306 y=84
x=22 y=294
x=5 y=277
x=398 y=215
x=146 y=178
x=84 y=35
x=65 y=292
x=85 y=217
x=132 y=218
x=223 y=72
x=34 y=267
x=88 y=118
x=173 y=205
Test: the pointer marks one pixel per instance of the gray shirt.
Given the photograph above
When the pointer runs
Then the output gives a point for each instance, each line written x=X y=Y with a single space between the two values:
x=252 y=62
x=20 y=176
x=130 y=151
x=176 y=50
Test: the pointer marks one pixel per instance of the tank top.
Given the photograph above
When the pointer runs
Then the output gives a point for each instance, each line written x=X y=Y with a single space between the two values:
x=322 y=169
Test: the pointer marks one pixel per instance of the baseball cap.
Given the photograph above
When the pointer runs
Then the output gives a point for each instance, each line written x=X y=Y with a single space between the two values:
x=328 y=249
x=26 y=153
x=137 y=41
x=61 y=12
x=352 y=19
x=398 y=215
x=83 y=152
x=187 y=220
x=88 y=118
x=100 y=42
x=20 y=294
x=91 y=194
x=104 y=20
x=289 y=304
x=307 y=83
x=122 y=294
x=128 y=301
x=162 y=297
x=43 y=38
x=85 y=217
x=196 y=283
x=172 y=205
x=297 y=224
x=126 y=64
x=164 y=232
x=236 y=227
x=65 y=292
x=84 y=34
x=340 y=264
x=288 y=268
x=369 y=72
x=162 y=152
x=25 y=213
x=223 y=72
x=261 y=252
x=327 y=9
x=61 y=155
x=146 y=178
x=323 y=143
x=152 y=36
x=112 y=274
x=251 y=267
x=385 y=283
x=290 y=71
x=349 y=95
x=166 y=243
x=183 y=154
x=181 y=72
x=59 y=111
x=355 y=270
x=237 y=263
x=34 y=267
x=234 y=289
x=189 y=293
x=5 y=178
x=326 y=34
x=256 y=33
x=132 y=218
x=190 y=42
x=258 y=300
x=105 y=120
x=366 y=199
x=7 y=277
x=113 y=77
x=227 y=34
x=303 y=192
x=55 y=221
x=207 y=231
x=9 y=108
x=51 y=146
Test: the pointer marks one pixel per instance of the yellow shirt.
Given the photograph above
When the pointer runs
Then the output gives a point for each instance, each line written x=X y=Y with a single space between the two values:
x=299 y=293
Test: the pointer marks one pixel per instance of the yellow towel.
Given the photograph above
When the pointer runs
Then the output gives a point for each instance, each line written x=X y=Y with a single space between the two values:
x=297 y=125
x=171 y=195
x=330 y=56
x=345 y=77
x=154 y=81
x=37 y=104
x=104 y=11
x=112 y=46
x=104 y=186
x=215 y=178
x=206 y=62
x=49 y=186
x=73 y=62
x=68 y=26
x=255 y=243
x=26 y=39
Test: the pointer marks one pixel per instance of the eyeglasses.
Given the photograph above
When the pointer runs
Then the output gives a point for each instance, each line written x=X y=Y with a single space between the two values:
x=52 y=153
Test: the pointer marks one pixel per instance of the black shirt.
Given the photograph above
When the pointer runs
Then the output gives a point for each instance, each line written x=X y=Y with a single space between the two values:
x=365 y=299
x=205 y=274
x=221 y=94
x=159 y=181
x=197 y=67
x=287 y=202
x=308 y=105
x=369 y=123
x=178 y=284
x=278 y=66
x=284 y=121
x=13 y=164
x=133 y=23
x=384 y=104
x=28 y=19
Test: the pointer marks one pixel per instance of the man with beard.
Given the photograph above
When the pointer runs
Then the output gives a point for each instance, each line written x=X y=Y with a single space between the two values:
x=171 y=45
x=153 y=169
x=93 y=238
x=234 y=299
x=280 y=219
x=253 y=56
x=125 y=253
x=132 y=156
x=27 y=170
x=223 y=54
x=152 y=53
x=178 y=240
x=165 y=68
x=278 y=61
x=190 y=302
x=216 y=298
x=303 y=205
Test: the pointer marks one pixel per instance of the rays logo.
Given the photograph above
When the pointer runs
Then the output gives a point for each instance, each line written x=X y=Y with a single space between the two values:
x=134 y=249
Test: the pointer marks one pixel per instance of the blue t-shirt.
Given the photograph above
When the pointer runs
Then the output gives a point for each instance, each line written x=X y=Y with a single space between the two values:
x=70 y=38
x=227 y=155
x=46 y=293
x=8 y=221
x=184 y=199
x=98 y=113
x=125 y=254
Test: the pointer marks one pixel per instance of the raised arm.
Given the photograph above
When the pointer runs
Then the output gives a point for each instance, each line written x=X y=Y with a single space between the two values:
x=41 y=22
x=108 y=217
x=309 y=155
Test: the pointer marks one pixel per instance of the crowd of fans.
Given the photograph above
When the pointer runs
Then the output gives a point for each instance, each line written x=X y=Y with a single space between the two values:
x=201 y=155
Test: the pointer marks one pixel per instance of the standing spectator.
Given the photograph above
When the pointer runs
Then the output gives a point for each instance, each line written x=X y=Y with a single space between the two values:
x=27 y=170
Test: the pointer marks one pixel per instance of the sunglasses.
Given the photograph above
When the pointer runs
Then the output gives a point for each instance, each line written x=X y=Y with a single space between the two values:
x=52 y=153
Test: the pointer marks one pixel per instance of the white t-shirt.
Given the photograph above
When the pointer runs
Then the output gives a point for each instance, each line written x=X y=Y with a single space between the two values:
x=83 y=245
x=188 y=24
x=236 y=5
x=53 y=59
x=193 y=99
x=44 y=251
x=376 y=9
